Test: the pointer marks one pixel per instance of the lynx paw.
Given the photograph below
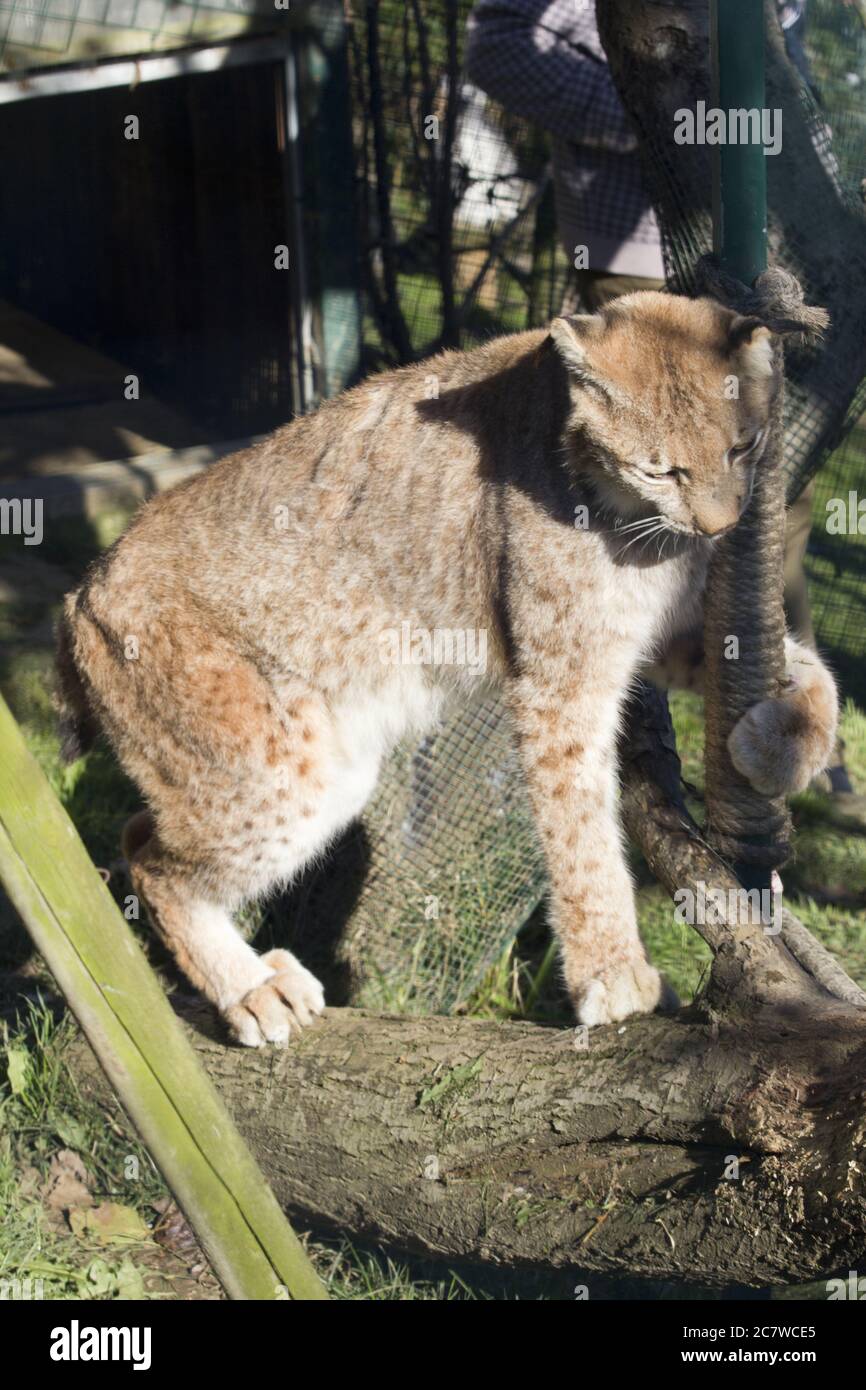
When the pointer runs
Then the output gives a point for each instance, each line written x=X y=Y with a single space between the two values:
x=286 y=1002
x=779 y=746
x=636 y=988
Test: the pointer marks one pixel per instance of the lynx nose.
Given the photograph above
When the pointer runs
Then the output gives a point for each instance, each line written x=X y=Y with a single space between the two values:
x=717 y=531
x=716 y=515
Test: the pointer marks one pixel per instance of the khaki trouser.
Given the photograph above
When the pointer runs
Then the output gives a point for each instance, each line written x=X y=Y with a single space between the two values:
x=590 y=290
x=799 y=524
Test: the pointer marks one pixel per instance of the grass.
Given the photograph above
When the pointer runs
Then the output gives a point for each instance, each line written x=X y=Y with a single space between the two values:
x=45 y=1121
x=44 y=1118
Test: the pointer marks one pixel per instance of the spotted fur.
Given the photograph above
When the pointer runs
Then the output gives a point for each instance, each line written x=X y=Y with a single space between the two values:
x=230 y=644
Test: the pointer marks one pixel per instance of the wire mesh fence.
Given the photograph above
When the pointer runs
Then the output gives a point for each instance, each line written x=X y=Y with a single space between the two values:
x=459 y=241
x=825 y=388
x=443 y=869
x=455 y=195
x=836 y=560
x=36 y=33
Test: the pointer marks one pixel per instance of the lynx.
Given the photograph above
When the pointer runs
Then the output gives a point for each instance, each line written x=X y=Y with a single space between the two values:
x=559 y=491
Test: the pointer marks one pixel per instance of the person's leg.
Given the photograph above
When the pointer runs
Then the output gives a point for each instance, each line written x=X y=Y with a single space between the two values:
x=794 y=45
x=799 y=614
x=798 y=526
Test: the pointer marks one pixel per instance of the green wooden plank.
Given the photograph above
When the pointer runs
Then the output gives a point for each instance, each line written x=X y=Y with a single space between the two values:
x=122 y=1009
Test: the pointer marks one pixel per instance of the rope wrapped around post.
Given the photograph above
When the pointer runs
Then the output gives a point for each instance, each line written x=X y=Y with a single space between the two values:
x=744 y=601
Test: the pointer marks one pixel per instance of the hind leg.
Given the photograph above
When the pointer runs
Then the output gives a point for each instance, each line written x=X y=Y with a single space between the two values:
x=262 y=998
x=207 y=854
x=247 y=778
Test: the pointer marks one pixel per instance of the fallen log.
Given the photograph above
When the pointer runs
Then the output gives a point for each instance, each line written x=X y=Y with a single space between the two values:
x=677 y=1148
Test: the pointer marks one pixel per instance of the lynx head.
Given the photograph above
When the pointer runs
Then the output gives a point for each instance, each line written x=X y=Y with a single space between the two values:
x=670 y=405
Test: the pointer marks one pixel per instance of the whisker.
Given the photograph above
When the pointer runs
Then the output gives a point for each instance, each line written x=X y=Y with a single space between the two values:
x=641 y=536
x=659 y=535
x=649 y=529
x=632 y=525
x=658 y=531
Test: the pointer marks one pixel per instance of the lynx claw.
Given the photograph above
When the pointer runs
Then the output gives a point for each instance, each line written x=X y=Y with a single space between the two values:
x=287 y=1001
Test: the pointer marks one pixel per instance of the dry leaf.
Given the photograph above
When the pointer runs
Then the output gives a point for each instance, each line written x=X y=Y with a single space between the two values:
x=67 y=1183
x=107 y=1223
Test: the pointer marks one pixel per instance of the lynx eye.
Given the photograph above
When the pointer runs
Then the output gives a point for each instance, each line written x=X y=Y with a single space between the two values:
x=665 y=474
x=739 y=451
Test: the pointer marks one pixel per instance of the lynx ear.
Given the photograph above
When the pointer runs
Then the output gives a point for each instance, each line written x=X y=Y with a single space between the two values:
x=744 y=328
x=570 y=336
x=752 y=338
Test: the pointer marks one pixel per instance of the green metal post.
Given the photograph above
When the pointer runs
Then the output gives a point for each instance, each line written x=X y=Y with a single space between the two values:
x=739 y=170
x=740 y=181
x=327 y=193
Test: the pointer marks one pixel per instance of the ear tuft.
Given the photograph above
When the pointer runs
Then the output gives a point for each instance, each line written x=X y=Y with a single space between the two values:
x=570 y=336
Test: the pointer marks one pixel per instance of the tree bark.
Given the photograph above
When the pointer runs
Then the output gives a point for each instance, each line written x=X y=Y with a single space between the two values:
x=518 y=1145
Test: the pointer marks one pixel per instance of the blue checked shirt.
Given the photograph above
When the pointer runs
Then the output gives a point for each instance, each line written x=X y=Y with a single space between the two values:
x=543 y=59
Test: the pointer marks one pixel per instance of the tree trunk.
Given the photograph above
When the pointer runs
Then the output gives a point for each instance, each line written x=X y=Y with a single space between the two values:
x=520 y=1145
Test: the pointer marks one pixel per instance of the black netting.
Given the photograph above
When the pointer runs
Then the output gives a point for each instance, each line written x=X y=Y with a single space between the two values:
x=459 y=241
x=457 y=222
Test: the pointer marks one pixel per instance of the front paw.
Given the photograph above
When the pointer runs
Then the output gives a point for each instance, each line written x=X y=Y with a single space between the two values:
x=633 y=988
x=780 y=745
x=281 y=1007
